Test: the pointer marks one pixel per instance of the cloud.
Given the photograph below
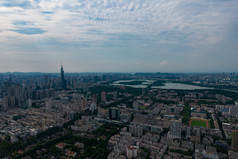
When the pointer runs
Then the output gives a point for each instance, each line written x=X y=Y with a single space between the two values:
x=22 y=23
x=135 y=29
x=163 y=21
x=16 y=3
x=28 y=31
x=47 y=12
x=164 y=63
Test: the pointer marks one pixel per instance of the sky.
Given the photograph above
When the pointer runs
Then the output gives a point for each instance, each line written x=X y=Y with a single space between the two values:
x=119 y=35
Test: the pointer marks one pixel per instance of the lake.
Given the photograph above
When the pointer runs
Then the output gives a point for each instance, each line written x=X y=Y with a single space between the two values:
x=180 y=86
x=168 y=85
x=144 y=84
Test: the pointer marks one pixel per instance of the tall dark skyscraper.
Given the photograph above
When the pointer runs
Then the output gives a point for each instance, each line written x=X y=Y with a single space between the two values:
x=63 y=81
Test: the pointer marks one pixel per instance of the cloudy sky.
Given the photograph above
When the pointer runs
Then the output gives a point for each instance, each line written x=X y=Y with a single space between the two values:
x=119 y=35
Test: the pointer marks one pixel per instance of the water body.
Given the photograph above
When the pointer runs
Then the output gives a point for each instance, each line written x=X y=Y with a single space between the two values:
x=180 y=86
x=169 y=85
x=230 y=90
x=143 y=85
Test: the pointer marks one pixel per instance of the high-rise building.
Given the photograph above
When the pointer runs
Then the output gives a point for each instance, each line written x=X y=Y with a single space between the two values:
x=131 y=152
x=93 y=106
x=18 y=94
x=5 y=103
x=175 y=129
x=188 y=132
x=136 y=130
x=234 y=140
x=63 y=81
x=125 y=117
x=114 y=113
x=8 y=102
x=12 y=101
x=143 y=92
x=135 y=105
x=103 y=96
x=83 y=103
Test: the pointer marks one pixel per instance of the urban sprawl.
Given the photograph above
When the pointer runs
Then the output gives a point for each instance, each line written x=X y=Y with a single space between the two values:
x=119 y=115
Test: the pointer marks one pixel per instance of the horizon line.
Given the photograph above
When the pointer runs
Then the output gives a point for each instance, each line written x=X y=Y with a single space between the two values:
x=125 y=72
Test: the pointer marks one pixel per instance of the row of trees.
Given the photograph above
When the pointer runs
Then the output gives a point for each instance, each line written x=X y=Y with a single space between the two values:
x=186 y=114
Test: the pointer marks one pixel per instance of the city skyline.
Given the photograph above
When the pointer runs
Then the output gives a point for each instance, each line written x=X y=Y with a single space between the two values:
x=118 y=36
x=118 y=115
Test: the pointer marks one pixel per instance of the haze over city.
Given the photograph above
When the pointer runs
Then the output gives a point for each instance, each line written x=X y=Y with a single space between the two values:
x=119 y=36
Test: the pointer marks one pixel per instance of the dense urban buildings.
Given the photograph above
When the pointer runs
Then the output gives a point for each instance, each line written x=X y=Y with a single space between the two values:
x=118 y=115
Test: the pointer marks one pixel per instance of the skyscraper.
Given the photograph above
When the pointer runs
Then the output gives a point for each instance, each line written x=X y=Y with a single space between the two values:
x=175 y=129
x=63 y=81
x=234 y=140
